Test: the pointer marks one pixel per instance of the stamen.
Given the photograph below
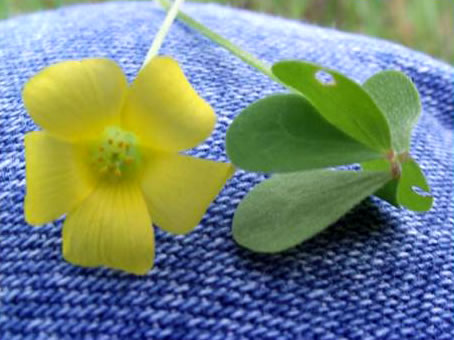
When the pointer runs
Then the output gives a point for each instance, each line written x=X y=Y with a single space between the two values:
x=116 y=155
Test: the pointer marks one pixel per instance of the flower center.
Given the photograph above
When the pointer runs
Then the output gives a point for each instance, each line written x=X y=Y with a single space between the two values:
x=117 y=153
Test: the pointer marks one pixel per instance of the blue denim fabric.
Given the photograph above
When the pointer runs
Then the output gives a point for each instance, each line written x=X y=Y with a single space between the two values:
x=379 y=273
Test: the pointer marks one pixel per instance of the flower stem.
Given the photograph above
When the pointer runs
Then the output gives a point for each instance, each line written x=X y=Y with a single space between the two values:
x=245 y=56
x=163 y=30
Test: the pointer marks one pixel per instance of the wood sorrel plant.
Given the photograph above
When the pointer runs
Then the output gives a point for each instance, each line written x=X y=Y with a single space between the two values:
x=327 y=120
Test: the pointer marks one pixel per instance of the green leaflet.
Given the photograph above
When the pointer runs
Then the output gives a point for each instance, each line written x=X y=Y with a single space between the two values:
x=341 y=101
x=400 y=191
x=399 y=100
x=287 y=209
x=286 y=133
x=389 y=191
x=412 y=177
x=397 y=97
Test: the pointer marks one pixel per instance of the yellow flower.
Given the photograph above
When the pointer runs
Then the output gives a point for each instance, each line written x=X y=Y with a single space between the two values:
x=109 y=158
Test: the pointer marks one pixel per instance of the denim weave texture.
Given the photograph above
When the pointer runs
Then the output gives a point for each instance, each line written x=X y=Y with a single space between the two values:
x=378 y=273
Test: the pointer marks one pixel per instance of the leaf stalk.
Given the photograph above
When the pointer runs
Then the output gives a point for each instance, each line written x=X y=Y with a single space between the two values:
x=243 y=55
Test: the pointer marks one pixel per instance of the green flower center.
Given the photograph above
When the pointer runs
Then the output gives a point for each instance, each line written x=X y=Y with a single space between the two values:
x=117 y=154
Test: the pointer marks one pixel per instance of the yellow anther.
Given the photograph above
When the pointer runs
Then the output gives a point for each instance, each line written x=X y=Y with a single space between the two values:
x=116 y=153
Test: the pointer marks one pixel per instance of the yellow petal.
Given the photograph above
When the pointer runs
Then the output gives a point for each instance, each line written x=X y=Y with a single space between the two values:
x=178 y=189
x=111 y=227
x=75 y=100
x=164 y=110
x=56 y=177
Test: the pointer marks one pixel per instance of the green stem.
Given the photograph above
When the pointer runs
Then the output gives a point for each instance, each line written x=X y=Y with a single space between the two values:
x=245 y=56
x=163 y=30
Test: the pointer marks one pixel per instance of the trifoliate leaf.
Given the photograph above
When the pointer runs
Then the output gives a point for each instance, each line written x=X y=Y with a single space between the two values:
x=341 y=101
x=398 y=99
x=286 y=133
x=413 y=179
x=389 y=191
x=287 y=209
